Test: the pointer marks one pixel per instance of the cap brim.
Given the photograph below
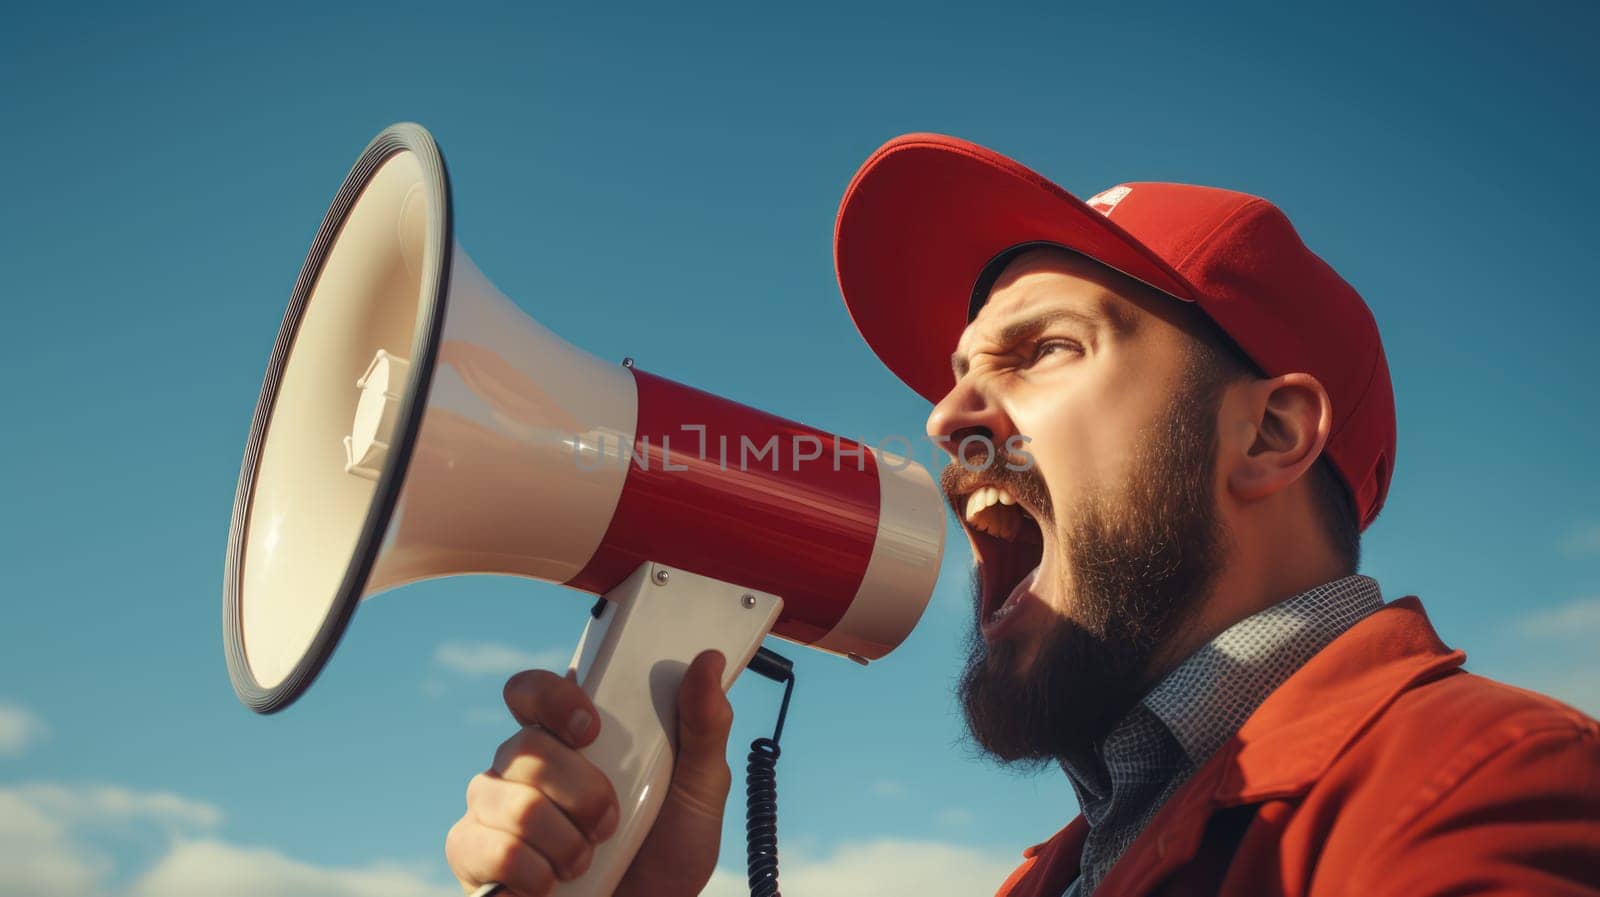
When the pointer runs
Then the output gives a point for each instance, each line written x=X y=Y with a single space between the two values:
x=921 y=220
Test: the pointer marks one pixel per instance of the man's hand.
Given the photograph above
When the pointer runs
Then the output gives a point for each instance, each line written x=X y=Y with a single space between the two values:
x=534 y=817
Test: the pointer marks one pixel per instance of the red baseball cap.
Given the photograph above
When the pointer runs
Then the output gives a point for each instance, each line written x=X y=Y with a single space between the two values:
x=926 y=216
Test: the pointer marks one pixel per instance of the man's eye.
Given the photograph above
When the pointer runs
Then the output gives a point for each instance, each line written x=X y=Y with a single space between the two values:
x=1053 y=347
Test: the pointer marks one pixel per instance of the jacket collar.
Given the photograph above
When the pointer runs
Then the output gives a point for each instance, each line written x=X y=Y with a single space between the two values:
x=1297 y=733
x=1280 y=751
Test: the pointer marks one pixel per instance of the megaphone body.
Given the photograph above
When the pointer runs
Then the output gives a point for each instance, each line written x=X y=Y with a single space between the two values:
x=415 y=424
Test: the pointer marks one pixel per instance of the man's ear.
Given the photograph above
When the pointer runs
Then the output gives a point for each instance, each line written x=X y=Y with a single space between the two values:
x=1285 y=422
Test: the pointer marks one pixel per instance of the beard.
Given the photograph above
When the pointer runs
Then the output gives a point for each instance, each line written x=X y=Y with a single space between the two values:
x=1140 y=563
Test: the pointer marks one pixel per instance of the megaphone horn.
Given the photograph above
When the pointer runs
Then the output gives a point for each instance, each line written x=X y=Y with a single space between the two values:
x=415 y=424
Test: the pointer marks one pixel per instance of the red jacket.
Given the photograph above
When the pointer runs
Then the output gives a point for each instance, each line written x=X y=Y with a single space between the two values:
x=1380 y=767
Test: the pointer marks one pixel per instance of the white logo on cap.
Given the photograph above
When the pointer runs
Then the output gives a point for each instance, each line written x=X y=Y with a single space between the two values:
x=1106 y=200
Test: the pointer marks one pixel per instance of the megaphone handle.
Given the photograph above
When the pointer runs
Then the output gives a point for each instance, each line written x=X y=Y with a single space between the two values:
x=630 y=662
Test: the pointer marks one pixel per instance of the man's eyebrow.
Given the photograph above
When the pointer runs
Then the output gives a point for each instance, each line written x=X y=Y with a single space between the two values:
x=1023 y=328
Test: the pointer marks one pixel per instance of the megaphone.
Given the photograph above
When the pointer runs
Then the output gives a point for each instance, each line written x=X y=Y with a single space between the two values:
x=414 y=424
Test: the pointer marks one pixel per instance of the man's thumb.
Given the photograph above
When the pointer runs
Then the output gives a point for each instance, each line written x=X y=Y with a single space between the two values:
x=704 y=716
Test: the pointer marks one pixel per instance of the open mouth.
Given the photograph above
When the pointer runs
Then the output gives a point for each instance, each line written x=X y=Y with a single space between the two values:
x=1009 y=546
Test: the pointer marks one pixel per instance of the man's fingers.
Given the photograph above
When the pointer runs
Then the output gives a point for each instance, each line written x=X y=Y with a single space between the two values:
x=544 y=757
x=530 y=815
x=534 y=758
x=478 y=854
x=556 y=702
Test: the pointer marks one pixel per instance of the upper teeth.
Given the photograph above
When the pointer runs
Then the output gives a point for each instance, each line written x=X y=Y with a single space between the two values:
x=1005 y=526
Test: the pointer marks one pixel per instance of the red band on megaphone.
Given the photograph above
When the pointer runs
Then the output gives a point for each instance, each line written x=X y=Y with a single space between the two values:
x=784 y=521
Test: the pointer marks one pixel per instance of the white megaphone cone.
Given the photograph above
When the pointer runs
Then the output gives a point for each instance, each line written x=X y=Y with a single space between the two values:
x=415 y=424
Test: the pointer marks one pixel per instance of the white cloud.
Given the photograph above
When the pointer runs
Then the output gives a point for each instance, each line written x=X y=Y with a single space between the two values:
x=1557 y=659
x=111 y=805
x=49 y=847
x=40 y=858
x=1573 y=681
x=495 y=659
x=1577 y=687
x=955 y=817
x=888 y=867
x=886 y=788
x=1584 y=539
x=206 y=868
x=18 y=729
x=1579 y=619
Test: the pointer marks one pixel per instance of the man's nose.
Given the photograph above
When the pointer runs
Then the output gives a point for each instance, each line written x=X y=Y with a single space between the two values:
x=969 y=422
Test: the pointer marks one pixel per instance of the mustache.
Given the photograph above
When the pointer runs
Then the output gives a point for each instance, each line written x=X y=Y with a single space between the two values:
x=1017 y=474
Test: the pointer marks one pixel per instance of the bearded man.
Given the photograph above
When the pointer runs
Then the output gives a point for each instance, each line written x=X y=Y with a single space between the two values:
x=1167 y=604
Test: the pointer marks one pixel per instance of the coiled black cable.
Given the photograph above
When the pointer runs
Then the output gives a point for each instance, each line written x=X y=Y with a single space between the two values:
x=761 y=830
x=761 y=784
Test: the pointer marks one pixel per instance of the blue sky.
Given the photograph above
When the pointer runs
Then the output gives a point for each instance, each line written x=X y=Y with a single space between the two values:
x=662 y=184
